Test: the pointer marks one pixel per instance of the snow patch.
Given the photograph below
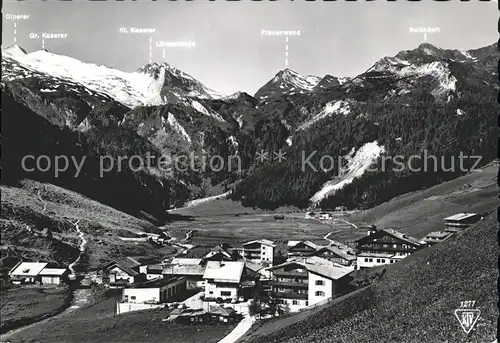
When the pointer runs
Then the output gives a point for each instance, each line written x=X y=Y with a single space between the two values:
x=357 y=164
x=331 y=108
x=289 y=141
x=460 y=112
x=205 y=200
x=200 y=108
x=177 y=127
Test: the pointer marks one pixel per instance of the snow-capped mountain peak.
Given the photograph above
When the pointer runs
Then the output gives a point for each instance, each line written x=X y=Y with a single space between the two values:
x=13 y=51
x=305 y=82
x=146 y=86
x=288 y=80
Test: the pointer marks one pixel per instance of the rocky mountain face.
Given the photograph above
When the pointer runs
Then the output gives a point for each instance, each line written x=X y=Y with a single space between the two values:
x=426 y=98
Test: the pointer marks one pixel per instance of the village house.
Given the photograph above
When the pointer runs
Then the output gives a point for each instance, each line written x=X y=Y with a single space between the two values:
x=155 y=291
x=369 y=260
x=339 y=254
x=302 y=282
x=384 y=246
x=54 y=276
x=123 y=273
x=26 y=272
x=220 y=253
x=152 y=271
x=259 y=251
x=461 y=221
x=223 y=279
x=192 y=269
x=38 y=272
x=301 y=248
x=437 y=237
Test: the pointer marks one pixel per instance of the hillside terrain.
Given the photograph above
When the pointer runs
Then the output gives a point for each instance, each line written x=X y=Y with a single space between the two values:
x=415 y=299
x=37 y=223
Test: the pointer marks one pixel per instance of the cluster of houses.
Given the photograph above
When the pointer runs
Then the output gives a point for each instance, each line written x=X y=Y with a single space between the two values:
x=304 y=275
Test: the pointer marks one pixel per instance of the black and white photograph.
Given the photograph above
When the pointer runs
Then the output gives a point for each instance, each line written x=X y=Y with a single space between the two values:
x=215 y=171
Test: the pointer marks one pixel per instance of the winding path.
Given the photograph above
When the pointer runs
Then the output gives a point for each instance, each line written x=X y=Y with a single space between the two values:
x=239 y=330
x=82 y=246
x=43 y=201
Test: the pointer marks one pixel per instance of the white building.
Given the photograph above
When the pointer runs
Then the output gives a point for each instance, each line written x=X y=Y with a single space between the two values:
x=259 y=251
x=152 y=271
x=53 y=276
x=36 y=272
x=155 y=291
x=26 y=272
x=369 y=260
x=223 y=279
x=302 y=282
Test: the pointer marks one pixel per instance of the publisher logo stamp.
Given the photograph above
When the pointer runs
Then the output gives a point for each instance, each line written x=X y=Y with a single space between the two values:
x=467 y=315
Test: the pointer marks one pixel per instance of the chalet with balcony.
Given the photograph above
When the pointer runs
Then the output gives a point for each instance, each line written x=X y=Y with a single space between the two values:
x=302 y=282
x=385 y=246
x=301 y=248
x=259 y=251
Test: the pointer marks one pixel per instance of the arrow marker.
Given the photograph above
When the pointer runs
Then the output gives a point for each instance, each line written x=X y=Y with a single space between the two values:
x=43 y=43
x=163 y=53
x=286 y=52
x=150 y=49
x=425 y=37
x=15 y=32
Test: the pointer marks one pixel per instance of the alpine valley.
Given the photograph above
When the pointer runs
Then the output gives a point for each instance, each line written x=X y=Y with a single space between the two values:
x=426 y=100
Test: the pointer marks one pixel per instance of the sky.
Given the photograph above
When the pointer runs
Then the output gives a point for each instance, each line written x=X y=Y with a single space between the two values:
x=336 y=38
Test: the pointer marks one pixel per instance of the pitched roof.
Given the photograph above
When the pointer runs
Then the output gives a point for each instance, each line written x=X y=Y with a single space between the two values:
x=253 y=266
x=53 y=271
x=307 y=243
x=261 y=241
x=224 y=271
x=123 y=267
x=186 y=269
x=438 y=234
x=218 y=250
x=156 y=283
x=343 y=253
x=461 y=216
x=186 y=261
x=402 y=236
x=376 y=255
x=28 y=269
x=223 y=311
x=320 y=266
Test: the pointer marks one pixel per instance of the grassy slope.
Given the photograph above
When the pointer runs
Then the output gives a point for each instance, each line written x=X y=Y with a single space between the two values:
x=21 y=306
x=415 y=300
x=101 y=225
x=96 y=323
x=423 y=211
